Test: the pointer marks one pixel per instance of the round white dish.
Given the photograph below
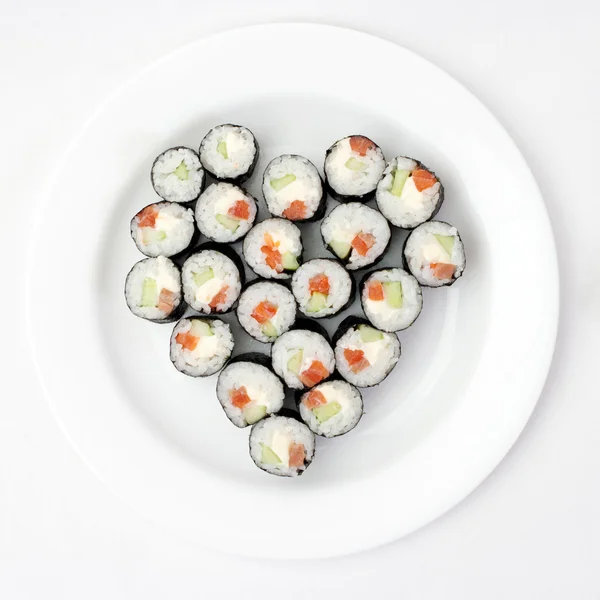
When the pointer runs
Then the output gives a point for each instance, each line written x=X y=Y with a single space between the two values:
x=473 y=364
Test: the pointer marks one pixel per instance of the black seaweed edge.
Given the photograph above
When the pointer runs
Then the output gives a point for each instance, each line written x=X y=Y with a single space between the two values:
x=233 y=256
x=188 y=203
x=407 y=268
x=200 y=318
x=177 y=312
x=242 y=178
x=437 y=206
x=321 y=206
x=344 y=198
x=343 y=307
x=362 y=284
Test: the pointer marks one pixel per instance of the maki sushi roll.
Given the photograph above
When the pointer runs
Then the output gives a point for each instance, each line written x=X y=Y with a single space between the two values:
x=293 y=189
x=282 y=446
x=302 y=358
x=200 y=346
x=248 y=390
x=356 y=234
x=353 y=166
x=364 y=356
x=177 y=175
x=391 y=299
x=229 y=153
x=153 y=290
x=322 y=288
x=266 y=310
x=409 y=193
x=331 y=408
x=163 y=229
x=273 y=249
x=212 y=279
x=434 y=254
x=225 y=212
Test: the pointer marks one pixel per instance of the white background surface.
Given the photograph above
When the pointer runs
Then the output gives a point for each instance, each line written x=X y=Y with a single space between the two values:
x=531 y=530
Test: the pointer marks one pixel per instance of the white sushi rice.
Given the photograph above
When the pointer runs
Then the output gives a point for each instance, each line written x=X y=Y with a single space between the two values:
x=211 y=353
x=350 y=403
x=382 y=356
x=225 y=273
x=275 y=293
x=263 y=387
x=277 y=434
x=183 y=185
x=217 y=199
x=306 y=187
x=340 y=285
x=423 y=249
x=166 y=275
x=238 y=150
x=172 y=232
x=380 y=313
x=314 y=348
x=350 y=174
x=412 y=207
x=346 y=221
x=285 y=235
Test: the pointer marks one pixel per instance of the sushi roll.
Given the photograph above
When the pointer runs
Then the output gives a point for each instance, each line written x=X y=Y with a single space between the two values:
x=200 y=346
x=248 y=390
x=212 y=279
x=266 y=310
x=177 y=175
x=331 y=408
x=302 y=358
x=273 y=249
x=322 y=288
x=434 y=254
x=353 y=166
x=356 y=234
x=282 y=446
x=153 y=290
x=225 y=212
x=391 y=299
x=293 y=189
x=409 y=193
x=364 y=356
x=163 y=229
x=229 y=153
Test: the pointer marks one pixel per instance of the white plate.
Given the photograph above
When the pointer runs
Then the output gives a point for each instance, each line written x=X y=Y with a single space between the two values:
x=473 y=364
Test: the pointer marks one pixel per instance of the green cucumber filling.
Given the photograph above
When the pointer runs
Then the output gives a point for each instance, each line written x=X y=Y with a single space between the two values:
x=269 y=329
x=202 y=277
x=222 y=149
x=400 y=177
x=201 y=329
x=446 y=242
x=228 y=222
x=281 y=182
x=255 y=413
x=269 y=457
x=295 y=362
x=317 y=302
x=392 y=290
x=149 y=292
x=340 y=249
x=289 y=262
x=324 y=412
x=181 y=171
x=151 y=236
x=368 y=334
x=355 y=165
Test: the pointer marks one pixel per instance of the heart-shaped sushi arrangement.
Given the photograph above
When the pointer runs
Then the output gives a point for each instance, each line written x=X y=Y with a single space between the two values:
x=282 y=306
